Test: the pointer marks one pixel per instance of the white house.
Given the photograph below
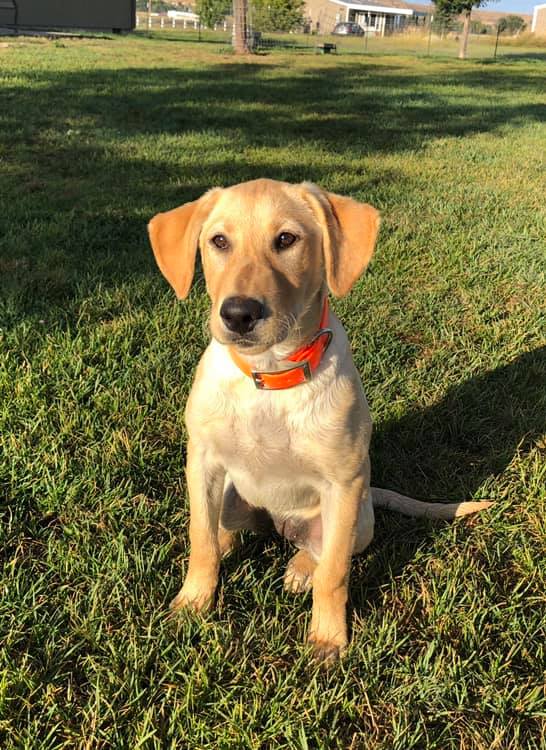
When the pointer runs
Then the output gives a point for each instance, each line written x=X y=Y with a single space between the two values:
x=374 y=17
x=538 y=24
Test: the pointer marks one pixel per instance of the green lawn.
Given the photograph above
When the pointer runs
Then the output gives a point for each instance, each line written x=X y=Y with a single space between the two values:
x=96 y=358
x=416 y=42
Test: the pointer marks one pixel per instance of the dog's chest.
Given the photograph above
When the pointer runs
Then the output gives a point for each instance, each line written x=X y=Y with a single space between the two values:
x=260 y=435
x=263 y=442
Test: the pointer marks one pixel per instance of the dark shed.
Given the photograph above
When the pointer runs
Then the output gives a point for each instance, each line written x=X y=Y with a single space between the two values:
x=68 y=14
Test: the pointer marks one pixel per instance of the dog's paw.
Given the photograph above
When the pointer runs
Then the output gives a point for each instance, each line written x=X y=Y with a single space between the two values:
x=193 y=599
x=327 y=652
x=298 y=576
x=327 y=634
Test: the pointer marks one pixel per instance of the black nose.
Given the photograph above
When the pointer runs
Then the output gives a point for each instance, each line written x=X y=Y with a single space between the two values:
x=240 y=314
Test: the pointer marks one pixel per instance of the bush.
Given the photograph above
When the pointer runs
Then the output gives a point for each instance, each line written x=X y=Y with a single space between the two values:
x=277 y=15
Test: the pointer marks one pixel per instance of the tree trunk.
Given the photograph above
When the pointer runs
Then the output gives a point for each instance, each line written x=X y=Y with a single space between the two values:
x=466 y=32
x=240 y=27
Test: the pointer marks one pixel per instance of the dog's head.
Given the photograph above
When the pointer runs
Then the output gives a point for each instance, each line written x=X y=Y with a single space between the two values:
x=267 y=250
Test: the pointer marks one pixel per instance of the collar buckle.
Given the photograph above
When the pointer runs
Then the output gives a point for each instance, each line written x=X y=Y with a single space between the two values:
x=262 y=386
x=321 y=332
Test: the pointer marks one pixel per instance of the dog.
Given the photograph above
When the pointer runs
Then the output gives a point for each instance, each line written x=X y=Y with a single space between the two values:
x=278 y=423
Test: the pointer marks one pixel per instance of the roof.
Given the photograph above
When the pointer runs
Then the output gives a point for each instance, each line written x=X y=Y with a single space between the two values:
x=398 y=7
x=422 y=8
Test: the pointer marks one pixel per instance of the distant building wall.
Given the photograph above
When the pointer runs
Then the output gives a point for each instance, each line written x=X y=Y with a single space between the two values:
x=77 y=14
x=538 y=25
x=324 y=13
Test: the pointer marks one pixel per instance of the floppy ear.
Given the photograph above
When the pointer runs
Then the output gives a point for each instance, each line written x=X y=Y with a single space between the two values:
x=349 y=233
x=174 y=236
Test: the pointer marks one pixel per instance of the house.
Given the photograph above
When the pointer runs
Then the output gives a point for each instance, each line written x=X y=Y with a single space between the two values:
x=380 y=17
x=538 y=24
x=374 y=16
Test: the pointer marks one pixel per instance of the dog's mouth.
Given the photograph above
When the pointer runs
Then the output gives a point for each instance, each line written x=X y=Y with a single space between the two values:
x=246 y=343
x=251 y=344
x=263 y=336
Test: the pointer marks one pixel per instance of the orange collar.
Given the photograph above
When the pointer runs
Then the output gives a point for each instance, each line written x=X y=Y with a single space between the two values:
x=308 y=358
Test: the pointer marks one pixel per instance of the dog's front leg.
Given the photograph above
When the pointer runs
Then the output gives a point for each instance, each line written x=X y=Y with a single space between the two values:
x=339 y=511
x=205 y=488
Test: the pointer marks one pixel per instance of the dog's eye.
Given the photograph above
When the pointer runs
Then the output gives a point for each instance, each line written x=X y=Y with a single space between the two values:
x=220 y=242
x=285 y=239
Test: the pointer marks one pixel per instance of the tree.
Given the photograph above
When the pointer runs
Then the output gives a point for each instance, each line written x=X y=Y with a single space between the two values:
x=157 y=6
x=456 y=8
x=443 y=20
x=511 y=24
x=477 y=27
x=277 y=15
x=211 y=12
x=267 y=15
x=240 y=27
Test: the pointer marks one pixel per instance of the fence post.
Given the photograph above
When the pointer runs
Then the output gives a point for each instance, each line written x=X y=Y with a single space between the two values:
x=174 y=22
x=162 y=22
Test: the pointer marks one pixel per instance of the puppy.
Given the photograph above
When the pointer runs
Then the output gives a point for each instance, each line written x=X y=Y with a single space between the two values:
x=279 y=427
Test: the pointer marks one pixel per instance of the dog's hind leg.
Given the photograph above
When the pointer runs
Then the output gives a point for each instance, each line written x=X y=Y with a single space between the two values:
x=228 y=541
x=306 y=533
x=298 y=576
x=237 y=515
x=364 y=526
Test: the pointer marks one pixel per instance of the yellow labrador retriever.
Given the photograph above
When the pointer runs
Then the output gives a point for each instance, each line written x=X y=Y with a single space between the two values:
x=278 y=423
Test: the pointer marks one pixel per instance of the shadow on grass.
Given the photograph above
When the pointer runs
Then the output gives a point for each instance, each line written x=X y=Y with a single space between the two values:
x=76 y=142
x=370 y=108
x=518 y=56
x=448 y=452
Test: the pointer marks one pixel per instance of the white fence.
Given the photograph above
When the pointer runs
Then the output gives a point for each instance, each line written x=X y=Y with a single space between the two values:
x=182 y=20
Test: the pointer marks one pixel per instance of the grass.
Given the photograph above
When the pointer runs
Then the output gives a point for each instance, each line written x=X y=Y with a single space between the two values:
x=447 y=620
x=480 y=47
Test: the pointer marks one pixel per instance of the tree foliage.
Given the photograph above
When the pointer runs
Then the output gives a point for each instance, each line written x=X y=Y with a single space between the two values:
x=443 y=21
x=277 y=15
x=211 y=12
x=477 y=27
x=452 y=8
x=511 y=24
x=158 y=6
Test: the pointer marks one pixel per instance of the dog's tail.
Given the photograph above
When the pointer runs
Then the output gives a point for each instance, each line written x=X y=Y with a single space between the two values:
x=416 y=508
